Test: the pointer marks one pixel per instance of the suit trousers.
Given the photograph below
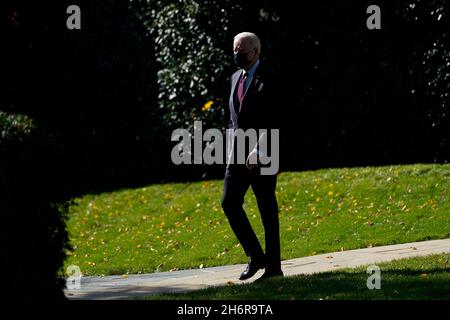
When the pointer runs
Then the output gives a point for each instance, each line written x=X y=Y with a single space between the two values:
x=238 y=179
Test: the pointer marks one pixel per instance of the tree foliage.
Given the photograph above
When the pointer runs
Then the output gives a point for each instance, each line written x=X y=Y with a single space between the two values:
x=355 y=96
x=14 y=128
x=190 y=41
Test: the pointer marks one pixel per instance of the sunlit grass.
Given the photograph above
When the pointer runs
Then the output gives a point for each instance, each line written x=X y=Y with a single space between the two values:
x=178 y=226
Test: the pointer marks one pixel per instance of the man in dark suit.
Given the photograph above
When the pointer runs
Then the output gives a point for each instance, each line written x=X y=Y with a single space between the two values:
x=254 y=104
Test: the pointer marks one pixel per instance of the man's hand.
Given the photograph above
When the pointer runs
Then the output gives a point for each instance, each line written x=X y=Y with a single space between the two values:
x=252 y=160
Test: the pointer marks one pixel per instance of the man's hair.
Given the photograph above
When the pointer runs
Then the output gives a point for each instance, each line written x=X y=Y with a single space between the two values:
x=254 y=40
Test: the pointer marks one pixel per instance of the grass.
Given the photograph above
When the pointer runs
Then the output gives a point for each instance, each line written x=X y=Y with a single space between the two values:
x=178 y=226
x=426 y=278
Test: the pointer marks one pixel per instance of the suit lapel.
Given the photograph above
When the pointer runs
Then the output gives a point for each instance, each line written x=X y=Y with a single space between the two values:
x=255 y=81
x=253 y=86
x=234 y=80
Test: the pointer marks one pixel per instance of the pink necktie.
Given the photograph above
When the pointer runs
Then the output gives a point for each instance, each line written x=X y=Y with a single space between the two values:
x=241 y=89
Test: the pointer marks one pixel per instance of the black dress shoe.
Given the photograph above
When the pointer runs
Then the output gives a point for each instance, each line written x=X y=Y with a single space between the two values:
x=270 y=274
x=251 y=269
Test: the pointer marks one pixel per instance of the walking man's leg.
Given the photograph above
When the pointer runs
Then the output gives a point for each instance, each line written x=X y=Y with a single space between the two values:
x=236 y=185
x=264 y=188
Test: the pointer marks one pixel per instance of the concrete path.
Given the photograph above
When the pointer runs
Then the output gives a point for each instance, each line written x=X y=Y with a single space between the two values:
x=117 y=287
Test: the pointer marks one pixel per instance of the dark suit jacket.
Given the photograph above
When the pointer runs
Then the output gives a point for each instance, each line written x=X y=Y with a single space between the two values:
x=262 y=104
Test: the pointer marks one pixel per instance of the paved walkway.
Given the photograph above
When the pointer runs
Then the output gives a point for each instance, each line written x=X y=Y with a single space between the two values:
x=117 y=287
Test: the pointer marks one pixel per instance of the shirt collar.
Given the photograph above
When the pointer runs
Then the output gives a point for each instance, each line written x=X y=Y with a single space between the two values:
x=252 y=70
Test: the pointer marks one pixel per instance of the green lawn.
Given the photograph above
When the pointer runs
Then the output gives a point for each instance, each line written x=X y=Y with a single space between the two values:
x=178 y=226
x=426 y=278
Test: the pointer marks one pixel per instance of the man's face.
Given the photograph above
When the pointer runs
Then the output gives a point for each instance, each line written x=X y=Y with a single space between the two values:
x=246 y=51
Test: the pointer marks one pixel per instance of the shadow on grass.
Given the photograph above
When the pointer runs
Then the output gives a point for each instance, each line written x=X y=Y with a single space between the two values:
x=428 y=284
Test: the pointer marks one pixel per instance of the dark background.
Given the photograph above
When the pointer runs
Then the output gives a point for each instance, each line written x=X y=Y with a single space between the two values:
x=87 y=111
